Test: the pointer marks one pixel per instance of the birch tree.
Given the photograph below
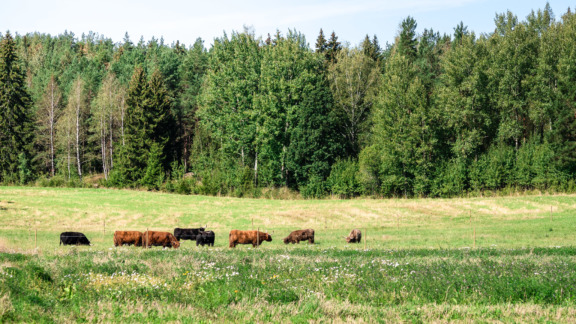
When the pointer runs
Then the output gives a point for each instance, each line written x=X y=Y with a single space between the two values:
x=76 y=111
x=48 y=114
x=354 y=82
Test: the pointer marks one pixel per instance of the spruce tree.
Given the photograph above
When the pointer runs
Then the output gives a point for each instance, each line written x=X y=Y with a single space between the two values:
x=133 y=155
x=16 y=126
x=333 y=47
x=321 y=44
x=160 y=117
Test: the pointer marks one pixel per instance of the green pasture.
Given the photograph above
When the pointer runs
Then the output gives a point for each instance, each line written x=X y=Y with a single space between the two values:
x=419 y=262
x=524 y=221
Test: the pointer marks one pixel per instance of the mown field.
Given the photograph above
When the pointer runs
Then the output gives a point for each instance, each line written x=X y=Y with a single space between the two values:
x=480 y=259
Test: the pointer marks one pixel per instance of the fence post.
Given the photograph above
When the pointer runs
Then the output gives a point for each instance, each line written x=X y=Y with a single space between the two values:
x=258 y=237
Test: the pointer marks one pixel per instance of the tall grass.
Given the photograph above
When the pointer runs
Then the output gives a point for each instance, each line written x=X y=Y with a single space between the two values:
x=309 y=282
x=419 y=264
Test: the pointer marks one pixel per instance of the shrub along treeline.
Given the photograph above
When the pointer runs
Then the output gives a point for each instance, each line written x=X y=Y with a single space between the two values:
x=431 y=115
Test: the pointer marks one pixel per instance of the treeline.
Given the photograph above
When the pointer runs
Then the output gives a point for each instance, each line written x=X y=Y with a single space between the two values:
x=430 y=115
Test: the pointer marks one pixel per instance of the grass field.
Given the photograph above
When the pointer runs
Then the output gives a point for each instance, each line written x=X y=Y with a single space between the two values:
x=477 y=259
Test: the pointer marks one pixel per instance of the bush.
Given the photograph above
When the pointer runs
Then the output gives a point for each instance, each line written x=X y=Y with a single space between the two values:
x=184 y=186
x=55 y=181
x=24 y=170
x=450 y=179
x=315 y=188
x=343 y=180
x=154 y=176
x=368 y=170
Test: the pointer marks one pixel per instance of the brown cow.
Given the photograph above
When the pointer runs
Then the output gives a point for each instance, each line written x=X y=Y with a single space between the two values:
x=164 y=239
x=300 y=235
x=248 y=237
x=354 y=237
x=128 y=238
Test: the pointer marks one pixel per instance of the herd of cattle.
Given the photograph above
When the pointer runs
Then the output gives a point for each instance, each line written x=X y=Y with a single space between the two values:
x=202 y=237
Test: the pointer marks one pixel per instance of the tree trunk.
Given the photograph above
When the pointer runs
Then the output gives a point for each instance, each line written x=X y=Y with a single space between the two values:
x=103 y=146
x=68 y=151
x=256 y=170
x=78 y=162
x=111 y=144
x=52 y=112
x=122 y=119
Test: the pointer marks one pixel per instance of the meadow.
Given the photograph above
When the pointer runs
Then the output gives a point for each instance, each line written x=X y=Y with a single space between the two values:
x=506 y=259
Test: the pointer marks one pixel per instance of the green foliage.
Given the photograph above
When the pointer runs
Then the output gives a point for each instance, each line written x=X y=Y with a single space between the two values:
x=343 y=180
x=451 y=179
x=407 y=38
x=314 y=188
x=16 y=127
x=369 y=164
x=24 y=170
x=429 y=115
x=402 y=130
x=154 y=176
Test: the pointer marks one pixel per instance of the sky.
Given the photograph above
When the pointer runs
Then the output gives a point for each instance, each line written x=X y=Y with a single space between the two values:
x=186 y=21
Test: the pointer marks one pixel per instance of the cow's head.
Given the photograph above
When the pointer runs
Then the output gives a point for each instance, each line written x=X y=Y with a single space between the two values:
x=286 y=240
x=268 y=237
x=175 y=244
x=348 y=238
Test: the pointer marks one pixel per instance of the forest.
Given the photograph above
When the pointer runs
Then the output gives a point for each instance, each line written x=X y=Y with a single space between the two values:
x=430 y=115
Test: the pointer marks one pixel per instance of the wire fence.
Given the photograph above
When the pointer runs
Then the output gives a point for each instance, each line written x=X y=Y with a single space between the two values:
x=463 y=231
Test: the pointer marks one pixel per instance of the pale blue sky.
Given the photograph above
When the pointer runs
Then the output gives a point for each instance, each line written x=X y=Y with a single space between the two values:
x=187 y=20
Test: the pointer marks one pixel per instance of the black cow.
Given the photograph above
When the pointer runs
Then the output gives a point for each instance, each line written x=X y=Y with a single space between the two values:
x=205 y=238
x=187 y=233
x=73 y=238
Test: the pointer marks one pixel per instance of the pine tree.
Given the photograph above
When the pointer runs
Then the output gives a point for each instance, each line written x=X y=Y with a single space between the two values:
x=407 y=40
x=16 y=126
x=459 y=32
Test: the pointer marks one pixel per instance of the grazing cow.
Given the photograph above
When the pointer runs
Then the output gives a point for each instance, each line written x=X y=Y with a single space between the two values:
x=164 y=239
x=187 y=233
x=354 y=237
x=300 y=235
x=248 y=237
x=127 y=238
x=205 y=238
x=73 y=238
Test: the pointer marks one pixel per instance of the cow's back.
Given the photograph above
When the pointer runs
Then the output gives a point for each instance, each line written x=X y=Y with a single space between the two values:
x=127 y=237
